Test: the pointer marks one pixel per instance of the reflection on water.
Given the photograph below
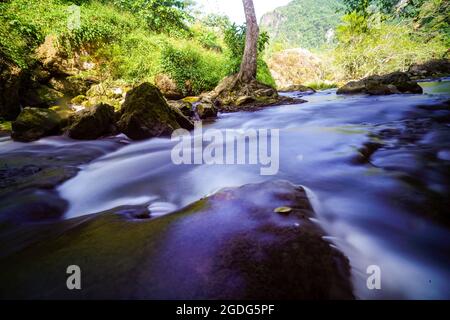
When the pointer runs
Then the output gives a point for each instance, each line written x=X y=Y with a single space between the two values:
x=366 y=209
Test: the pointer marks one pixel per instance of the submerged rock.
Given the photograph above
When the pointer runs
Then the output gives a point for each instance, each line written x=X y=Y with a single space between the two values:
x=92 y=123
x=146 y=114
x=227 y=246
x=35 y=123
x=393 y=83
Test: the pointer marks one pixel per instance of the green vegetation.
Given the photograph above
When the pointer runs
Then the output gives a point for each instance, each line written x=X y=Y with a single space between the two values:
x=377 y=37
x=371 y=37
x=302 y=23
x=130 y=40
x=5 y=125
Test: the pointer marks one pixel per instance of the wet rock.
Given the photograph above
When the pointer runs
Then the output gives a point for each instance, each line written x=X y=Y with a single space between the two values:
x=206 y=110
x=230 y=96
x=231 y=245
x=134 y=212
x=393 y=83
x=146 y=114
x=35 y=123
x=184 y=106
x=366 y=151
x=33 y=205
x=92 y=123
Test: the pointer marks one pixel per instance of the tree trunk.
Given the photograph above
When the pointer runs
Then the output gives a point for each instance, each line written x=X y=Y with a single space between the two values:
x=247 y=72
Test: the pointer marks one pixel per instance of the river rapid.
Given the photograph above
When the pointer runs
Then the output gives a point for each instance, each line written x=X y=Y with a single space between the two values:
x=378 y=212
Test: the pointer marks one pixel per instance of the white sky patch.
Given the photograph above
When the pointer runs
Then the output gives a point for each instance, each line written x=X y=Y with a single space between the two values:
x=235 y=10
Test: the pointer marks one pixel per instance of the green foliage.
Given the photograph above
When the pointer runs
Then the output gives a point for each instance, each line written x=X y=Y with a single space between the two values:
x=5 y=125
x=302 y=23
x=234 y=37
x=135 y=58
x=132 y=40
x=193 y=69
x=433 y=17
x=369 y=44
x=160 y=15
x=263 y=74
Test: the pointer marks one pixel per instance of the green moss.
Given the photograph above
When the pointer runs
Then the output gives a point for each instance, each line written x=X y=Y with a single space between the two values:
x=5 y=126
x=78 y=99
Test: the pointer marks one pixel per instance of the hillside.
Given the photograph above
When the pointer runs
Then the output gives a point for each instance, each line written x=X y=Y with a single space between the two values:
x=302 y=23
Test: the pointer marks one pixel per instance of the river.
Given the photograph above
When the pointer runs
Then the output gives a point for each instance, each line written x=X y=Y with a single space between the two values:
x=376 y=213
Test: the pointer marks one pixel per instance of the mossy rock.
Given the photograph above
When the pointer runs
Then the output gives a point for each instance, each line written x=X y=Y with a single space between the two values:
x=183 y=106
x=227 y=246
x=48 y=96
x=92 y=123
x=146 y=114
x=206 y=110
x=78 y=100
x=35 y=123
x=191 y=99
x=393 y=83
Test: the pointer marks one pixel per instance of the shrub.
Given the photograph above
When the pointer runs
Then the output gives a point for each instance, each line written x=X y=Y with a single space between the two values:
x=193 y=69
x=371 y=45
x=235 y=40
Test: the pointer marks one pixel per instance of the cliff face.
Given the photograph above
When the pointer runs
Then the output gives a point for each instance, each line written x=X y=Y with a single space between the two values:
x=302 y=23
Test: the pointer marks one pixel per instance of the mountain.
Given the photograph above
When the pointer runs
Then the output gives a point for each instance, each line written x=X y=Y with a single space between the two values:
x=302 y=23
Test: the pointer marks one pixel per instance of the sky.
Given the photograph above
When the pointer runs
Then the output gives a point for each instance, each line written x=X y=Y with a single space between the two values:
x=235 y=10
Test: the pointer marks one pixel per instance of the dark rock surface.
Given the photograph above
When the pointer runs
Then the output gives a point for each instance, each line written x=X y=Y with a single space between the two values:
x=93 y=123
x=146 y=114
x=228 y=246
x=393 y=83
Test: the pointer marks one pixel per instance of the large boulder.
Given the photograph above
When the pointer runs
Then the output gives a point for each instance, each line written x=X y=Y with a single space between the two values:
x=396 y=82
x=255 y=242
x=35 y=123
x=92 y=123
x=146 y=114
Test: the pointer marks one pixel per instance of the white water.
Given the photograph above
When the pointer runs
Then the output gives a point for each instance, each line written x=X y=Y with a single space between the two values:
x=366 y=210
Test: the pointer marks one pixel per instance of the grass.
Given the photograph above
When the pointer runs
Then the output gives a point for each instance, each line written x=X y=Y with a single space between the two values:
x=119 y=43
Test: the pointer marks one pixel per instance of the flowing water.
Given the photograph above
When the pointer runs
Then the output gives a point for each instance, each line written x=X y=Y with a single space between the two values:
x=372 y=211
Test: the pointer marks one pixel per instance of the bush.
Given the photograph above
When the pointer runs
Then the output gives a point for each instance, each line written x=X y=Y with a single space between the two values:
x=235 y=40
x=193 y=69
x=369 y=45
